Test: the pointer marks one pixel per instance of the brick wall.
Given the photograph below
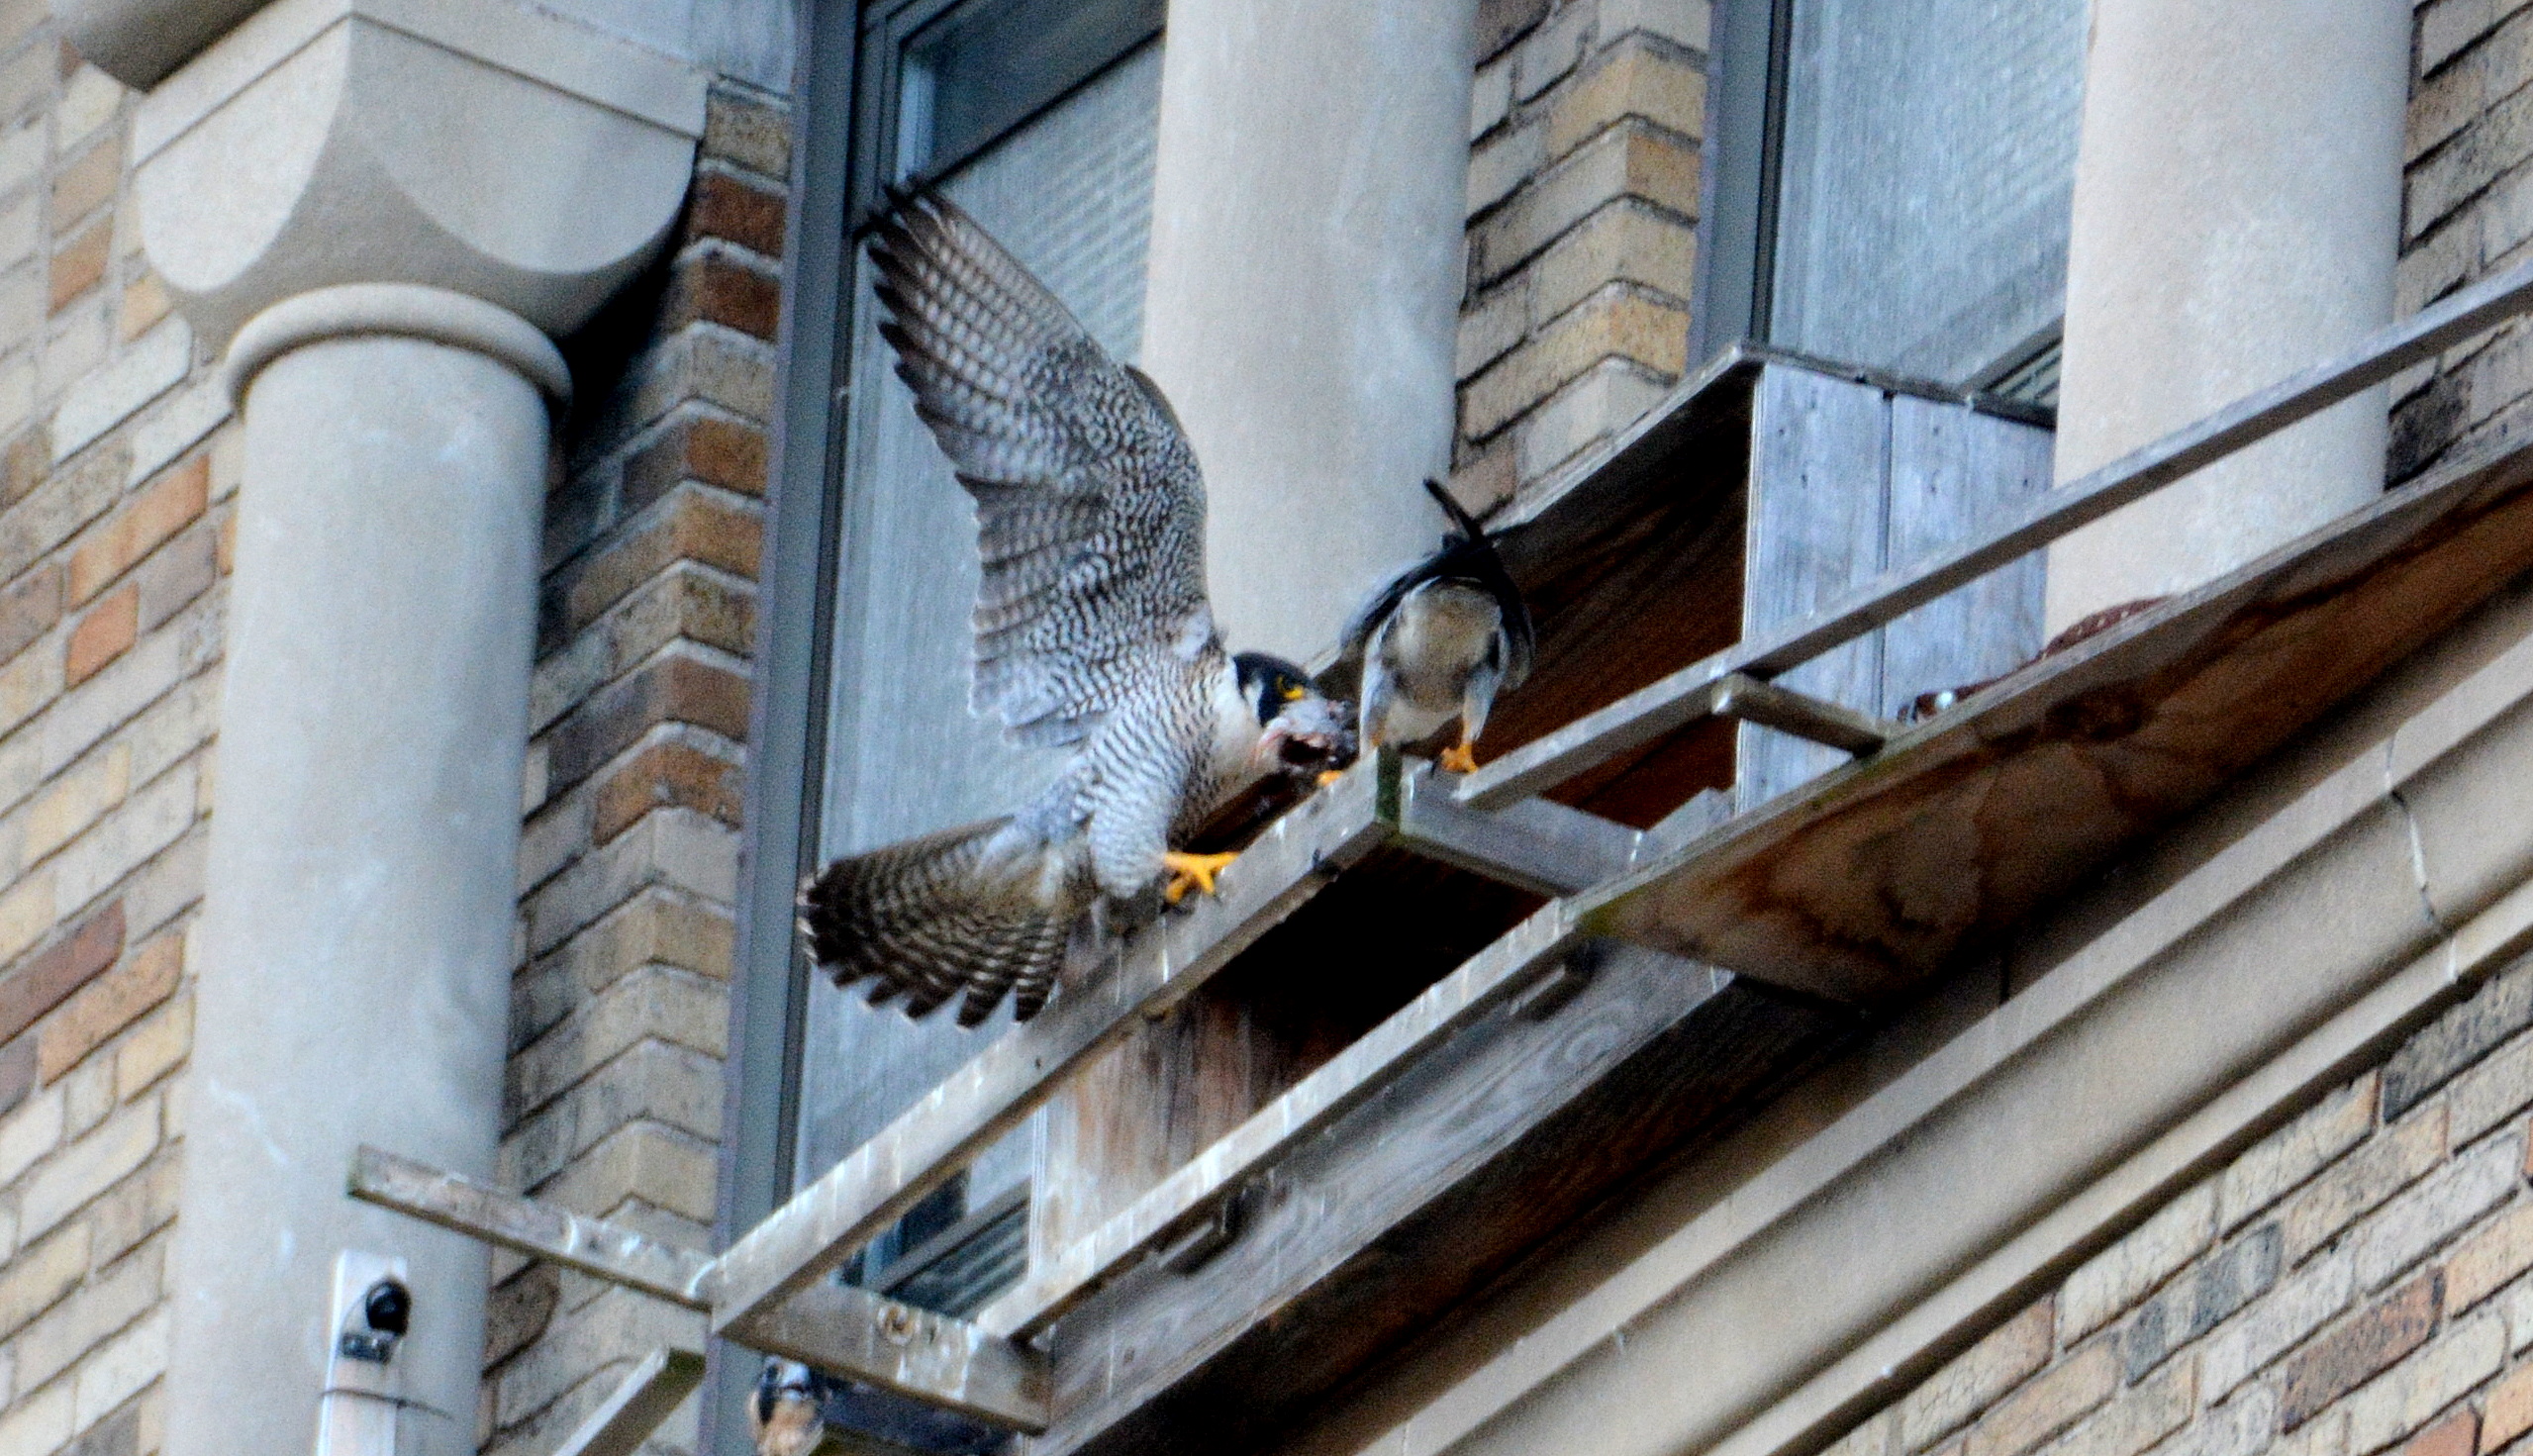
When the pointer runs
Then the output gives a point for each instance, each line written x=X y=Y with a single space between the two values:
x=639 y=718
x=2359 y=1280
x=116 y=475
x=2467 y=212
x=1582 y=233
x=117 y=467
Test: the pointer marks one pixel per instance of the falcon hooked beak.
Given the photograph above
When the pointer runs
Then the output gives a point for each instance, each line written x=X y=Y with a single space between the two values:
x=1307 y=733
x=1292 y=729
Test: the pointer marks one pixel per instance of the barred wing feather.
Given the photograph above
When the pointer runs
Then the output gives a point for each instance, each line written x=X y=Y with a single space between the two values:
x=1090 y=511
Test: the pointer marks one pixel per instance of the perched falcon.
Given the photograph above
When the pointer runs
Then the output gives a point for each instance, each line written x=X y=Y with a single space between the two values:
x=1092 y=631
x=783 y=1417
x=1440 y=641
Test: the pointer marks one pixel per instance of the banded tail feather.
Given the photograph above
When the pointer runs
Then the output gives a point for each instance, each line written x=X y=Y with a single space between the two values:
x=971 y=912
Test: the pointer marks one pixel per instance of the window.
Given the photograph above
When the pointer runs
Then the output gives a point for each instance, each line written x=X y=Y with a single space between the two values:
x=1069 y=192
x=1038 y=117
x=1893 y=183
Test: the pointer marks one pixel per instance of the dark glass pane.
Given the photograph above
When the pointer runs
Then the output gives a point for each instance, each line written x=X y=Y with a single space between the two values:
x=986 y=67
x=1928 y=160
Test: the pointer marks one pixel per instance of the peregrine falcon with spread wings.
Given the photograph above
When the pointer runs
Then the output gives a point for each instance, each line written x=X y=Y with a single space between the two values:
x=1092 y=631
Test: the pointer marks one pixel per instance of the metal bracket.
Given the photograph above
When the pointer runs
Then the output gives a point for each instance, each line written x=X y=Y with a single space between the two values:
x=626 y=1419
x=1739 y=694
x=1537 y=844
x=1212 y=1233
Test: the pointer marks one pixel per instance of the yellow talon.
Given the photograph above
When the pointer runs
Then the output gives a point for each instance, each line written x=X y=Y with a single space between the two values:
x=1462 y=759
x=1330 y=776
x=1196 y=870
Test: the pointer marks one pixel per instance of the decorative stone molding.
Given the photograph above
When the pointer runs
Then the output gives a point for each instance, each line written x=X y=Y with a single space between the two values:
x=394 y=310
x=464 y=144
x=138 y=42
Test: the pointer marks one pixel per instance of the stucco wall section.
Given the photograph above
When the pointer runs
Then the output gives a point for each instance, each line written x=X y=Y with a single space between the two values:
x=1582 y=236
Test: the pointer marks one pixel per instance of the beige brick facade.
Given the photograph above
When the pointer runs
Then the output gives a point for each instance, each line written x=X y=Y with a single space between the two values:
x=2358 y=1279
x=629 y=860
x=2467 y=212
x=114 y=499
x=1582 y=245
x=114 y=519
x=2355 y=1282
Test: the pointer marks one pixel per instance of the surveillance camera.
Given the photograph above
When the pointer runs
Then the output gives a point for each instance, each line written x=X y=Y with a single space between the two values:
x=374 y=1324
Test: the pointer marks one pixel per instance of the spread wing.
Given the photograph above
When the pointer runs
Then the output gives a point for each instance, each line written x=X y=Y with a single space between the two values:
x=1090 y=511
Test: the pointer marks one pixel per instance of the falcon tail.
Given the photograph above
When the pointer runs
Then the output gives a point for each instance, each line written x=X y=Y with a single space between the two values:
x=952 y=913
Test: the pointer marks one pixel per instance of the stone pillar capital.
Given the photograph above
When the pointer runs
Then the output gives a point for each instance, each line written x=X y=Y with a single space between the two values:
x=394 y=310
x=474 y=146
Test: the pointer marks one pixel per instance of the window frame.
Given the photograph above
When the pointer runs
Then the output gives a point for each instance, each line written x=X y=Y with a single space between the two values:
x=1740 y=204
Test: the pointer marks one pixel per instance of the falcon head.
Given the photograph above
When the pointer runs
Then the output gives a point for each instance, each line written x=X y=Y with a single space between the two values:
x=1306 y=731
x=783 y=1414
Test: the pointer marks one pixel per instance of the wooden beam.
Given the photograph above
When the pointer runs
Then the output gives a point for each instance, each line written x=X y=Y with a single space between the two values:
x=852 y=1202
x=591 y=1245
x=1535 y=844
x=929 y=1357
x=1689 y=694
x=845 y=1331
x=1649 y=713
x=1741 y=696
x=1883 y=874
x=1396 y=1210
x=1537 y=946
x=620 y=1426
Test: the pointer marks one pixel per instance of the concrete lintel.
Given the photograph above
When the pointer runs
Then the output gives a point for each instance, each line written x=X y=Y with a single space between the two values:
x=599 y=68
x=2317 y=854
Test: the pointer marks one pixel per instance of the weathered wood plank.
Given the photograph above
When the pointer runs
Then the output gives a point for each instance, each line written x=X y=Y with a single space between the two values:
x=1536 y=845
x=2032 y=783
x=1186 y=1197
x=1685 y=695
x=823 y=1225
x=933 y=1358
x=1820 y=510
x=590 y=1245
x=1955 y=472
x=1649 y=713
x=1361 y=1235
x=1833 y=726
x=626 y=1419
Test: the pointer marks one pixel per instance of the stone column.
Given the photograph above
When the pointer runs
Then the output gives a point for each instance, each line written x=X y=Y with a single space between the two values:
x=357 y=931
x=1305 y=290
x=382 y=211
x=2237 y=211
